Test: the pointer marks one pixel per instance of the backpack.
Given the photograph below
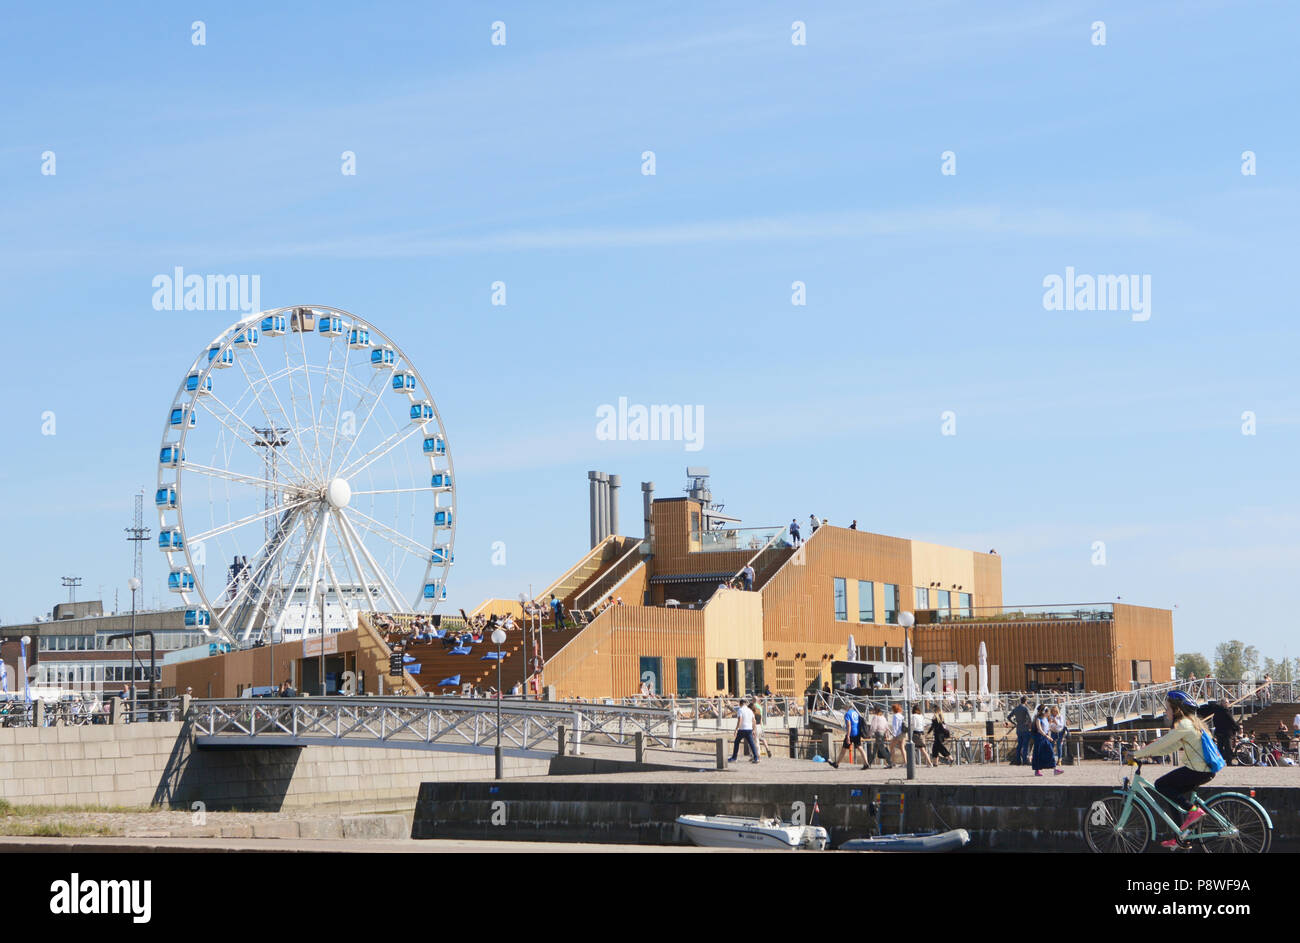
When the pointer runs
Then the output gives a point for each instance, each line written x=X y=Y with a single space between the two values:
x=1210 y=752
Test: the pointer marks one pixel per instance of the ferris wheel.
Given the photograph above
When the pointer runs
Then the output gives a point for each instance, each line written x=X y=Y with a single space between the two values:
x=304 y=476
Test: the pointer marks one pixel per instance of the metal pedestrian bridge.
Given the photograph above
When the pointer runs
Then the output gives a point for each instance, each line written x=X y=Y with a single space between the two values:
x=527 y=728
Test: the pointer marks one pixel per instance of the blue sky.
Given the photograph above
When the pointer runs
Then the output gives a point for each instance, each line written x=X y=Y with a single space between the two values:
x=774 y=163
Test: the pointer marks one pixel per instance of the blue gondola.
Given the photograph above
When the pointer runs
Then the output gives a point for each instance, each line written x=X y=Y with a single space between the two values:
x=275 y=325
x=431 y=591
x=165 y=498
x=330 y=325
x=442 y=555
x=223 y=358
x=383 y=357
x=358 y=338
x=441 y=481
x=442 y=518
x=171 y=456
x=197 y=618
x=180 y=581
x=404 y=382
x=170 y=539
x=434 y=445
x=421 y=412
x=303 y=319
x=246 y=338
x=192 y=384
x=177 y=417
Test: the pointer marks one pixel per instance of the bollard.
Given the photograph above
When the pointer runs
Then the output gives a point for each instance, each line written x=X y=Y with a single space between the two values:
x=722 y=752
x=826 y=746
x=640 y=747
x=794 y=743
x=559 y=738
x=38 y=713
x=988 y=729
x=116 y=710
x=185 y=705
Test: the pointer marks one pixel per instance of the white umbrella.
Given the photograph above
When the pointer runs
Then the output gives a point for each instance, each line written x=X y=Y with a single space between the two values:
x=4 y=678
x=909 y=680
x=852 y=655
x=984 y=672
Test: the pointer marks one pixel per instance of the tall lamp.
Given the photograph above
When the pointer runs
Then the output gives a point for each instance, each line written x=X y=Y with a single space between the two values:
x=907 y=620
x=498 y=639
x=135 y=585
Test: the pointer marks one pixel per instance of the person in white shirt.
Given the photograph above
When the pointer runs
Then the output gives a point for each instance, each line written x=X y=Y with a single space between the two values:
x=918 y=734
x=1056 y=727
x=896 y=754
x=744 y=732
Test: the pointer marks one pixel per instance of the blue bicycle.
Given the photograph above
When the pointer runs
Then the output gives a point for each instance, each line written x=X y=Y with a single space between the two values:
x=1125 y=822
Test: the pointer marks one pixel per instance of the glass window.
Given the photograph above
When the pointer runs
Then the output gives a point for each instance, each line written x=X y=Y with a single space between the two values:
x=754 y=683
x=652 y=673
x=686 y=683
x=866 y=601
x=945 y=602
x=964 y=602
x=722 y=676
x=841 y=599
x=922 y=597
x=891 y=603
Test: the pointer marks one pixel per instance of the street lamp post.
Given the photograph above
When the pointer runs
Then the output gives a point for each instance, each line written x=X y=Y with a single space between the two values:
x=320 y=593
x=498 y=639
x=907 y=620
x=135 y=585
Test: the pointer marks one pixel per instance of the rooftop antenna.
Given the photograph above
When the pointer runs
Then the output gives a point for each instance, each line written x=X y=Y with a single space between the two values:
x=71 y=582
x=137 y=533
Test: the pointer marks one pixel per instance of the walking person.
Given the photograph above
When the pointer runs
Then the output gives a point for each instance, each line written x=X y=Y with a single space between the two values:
x=744 y=732
x=1023 y=721
x=918 y=735
x=747 y=574
x=758 y=727
x=852 y=738
x=557 y=609
x=1044 y=758
x=896 y=734
x=880 y=733
x=1056 y=723
x=941 y=734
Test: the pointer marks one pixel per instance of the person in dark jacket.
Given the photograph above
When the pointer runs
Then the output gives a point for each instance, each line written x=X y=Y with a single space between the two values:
x=941 y=734
x=1023 y=721
x=1225 y=726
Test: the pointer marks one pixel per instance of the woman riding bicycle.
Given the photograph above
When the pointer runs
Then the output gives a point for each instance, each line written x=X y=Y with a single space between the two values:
x=1184 y=734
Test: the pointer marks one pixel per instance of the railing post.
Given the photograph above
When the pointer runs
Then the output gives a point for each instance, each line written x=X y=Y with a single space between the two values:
x=559 y=740
x=794 y=742
x=640 y=747
x=720 y=746
x=577 y=733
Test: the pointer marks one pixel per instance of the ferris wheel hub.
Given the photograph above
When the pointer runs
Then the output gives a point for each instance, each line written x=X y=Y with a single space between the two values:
x=338 y=493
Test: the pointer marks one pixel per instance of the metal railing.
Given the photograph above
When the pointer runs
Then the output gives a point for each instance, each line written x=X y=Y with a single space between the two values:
x=426 y=722
x=612 y=579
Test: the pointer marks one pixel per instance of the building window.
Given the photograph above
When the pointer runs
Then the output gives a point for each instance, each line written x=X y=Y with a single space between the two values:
x=891 y=603
x=922 y=598
x=721 y=676
x=754 y=683
x=652 y=673
x=866 y=601
x=841 y=600
x=964 y=602
x=686 y=683
x=945 y=602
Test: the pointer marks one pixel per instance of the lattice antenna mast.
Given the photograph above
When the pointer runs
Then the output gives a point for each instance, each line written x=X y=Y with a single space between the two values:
x=137 y=533
x=272 y=438
x=71 y=582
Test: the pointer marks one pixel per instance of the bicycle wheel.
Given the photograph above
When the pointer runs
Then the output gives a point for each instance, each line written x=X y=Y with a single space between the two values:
x=1245 y=756
x=1248 y=830
x=1105 y=836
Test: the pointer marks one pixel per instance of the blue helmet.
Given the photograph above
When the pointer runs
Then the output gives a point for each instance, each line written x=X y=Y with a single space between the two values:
x=1179 y=697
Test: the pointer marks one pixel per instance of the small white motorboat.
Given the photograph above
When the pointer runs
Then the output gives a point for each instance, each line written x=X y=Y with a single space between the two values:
x=951 y=840
x=736 y=831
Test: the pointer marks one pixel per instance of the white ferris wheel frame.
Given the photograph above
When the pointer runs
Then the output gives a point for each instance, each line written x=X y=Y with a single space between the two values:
x=356 y=557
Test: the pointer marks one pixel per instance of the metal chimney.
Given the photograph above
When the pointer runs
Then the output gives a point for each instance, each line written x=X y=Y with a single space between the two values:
x=592 y=497
x=614 y=482
x=647 y=498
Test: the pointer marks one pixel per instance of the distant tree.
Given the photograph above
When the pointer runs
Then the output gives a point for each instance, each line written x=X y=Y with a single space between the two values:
x=1192 y=663
x=1281 y=670
x=1235 y=660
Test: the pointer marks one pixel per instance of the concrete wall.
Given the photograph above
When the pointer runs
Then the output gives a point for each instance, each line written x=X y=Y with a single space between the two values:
x=145 y=764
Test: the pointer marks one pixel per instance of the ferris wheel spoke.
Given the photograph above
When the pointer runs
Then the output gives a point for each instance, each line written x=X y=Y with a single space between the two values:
x=394 y=440
x=302 y=449
x=265 y=576
x=313 y=587
x=238 y=477
x=351 y=551
x=416 y=489
x=250 y=519
x=264 y=557
x=356 y=435
x=394 y=596
x=398 y=539
x=311 y=403
x=204 y=400
x=298 y=569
